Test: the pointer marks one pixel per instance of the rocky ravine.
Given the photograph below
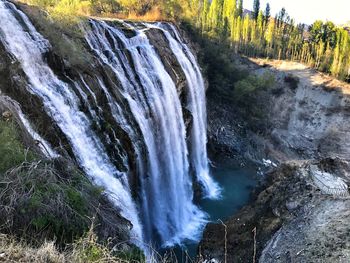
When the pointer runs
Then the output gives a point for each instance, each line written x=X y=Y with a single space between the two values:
x=301 y=211
x=306 y=116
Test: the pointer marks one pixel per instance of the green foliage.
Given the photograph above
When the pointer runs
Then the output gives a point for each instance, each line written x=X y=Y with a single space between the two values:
x=215 y=59
x=92 y=253
x=133 y=255
x=267 y=13
x=12 y=151
x=41 y=201
x=240 y=8
x=256 y=9
x=324 y=47
x=246 y=89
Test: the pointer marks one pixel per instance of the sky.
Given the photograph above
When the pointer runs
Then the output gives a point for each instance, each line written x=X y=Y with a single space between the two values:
x=307 y=11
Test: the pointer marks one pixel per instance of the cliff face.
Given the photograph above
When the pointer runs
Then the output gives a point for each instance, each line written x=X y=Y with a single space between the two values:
x=299 y=211
x=310 y=118
x=304 y=116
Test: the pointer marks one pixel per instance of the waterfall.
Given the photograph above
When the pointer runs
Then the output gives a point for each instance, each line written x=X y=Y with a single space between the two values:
x=148 y=109
x=27 y=46
x=197 y=106
x=167 y=209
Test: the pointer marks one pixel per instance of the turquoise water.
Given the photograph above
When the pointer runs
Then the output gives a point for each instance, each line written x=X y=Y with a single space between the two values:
x=237 y=184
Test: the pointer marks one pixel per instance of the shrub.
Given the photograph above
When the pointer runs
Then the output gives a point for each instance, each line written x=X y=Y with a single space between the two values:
x=292 y=81
x=245 y=90
x=42 y=199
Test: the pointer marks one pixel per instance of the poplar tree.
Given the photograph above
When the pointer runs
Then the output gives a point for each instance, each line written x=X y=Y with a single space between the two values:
x=215 y=15
x=229 y=8
x=256 y=9
x=240 y=8
x=204 y=16
x=267 y=13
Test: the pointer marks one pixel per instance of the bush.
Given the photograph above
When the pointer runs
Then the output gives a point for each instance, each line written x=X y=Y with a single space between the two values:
x=293 y=81
x=245 y=90
x=46 y=199
x=36 y=200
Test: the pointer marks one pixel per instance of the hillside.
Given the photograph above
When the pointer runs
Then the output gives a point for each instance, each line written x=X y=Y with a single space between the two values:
x=304 y=132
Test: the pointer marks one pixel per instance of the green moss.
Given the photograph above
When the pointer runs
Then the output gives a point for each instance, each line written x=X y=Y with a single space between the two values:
x=12 y=151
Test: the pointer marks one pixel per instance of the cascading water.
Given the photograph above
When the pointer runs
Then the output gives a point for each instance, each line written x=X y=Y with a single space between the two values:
x=61 y=103
x=196 y=98
x=167 y=209
x=153 y=120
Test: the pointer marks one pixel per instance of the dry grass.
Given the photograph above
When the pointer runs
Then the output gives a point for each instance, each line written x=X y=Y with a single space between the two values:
x=84 y=250
x=154 y=14
x=14 y=251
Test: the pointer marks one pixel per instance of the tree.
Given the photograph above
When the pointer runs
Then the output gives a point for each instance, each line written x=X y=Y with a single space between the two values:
x=215 y=15
x=280 y=17
x=240 y=9
x=315 y=31
x=270 y=37
x=267 y=13
x=229 y=14
x=256 y=9
x=139 y=7
x=205 y=12
x=229 y=8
